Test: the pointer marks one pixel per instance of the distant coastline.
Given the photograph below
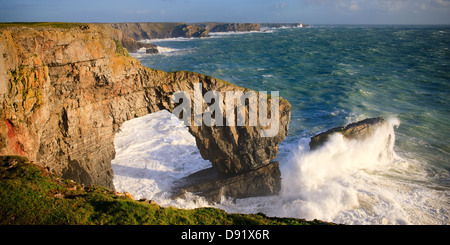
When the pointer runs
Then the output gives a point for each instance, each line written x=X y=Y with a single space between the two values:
x=130 y=34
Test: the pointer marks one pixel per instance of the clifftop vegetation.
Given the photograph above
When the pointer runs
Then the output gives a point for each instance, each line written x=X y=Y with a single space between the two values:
x=30 y=194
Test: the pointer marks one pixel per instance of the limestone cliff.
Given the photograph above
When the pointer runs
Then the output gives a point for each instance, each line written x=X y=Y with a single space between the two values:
x=64 y=93
x=128 y=42
x=129 y=34
x=149 y=30
x=230 y=27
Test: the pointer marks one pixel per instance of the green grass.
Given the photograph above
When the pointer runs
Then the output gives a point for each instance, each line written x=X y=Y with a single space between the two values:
x=31 y=194
x=120 y=49
x=63 y=25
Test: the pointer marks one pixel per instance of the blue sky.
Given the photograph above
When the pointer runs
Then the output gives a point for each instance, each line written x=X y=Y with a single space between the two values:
x=307 y=11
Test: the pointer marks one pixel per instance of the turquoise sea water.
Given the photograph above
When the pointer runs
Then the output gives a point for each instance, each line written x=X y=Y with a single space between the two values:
x=334 y=75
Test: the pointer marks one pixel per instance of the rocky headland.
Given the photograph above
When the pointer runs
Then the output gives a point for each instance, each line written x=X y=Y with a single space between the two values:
x=130 y=34
x=284 y=25
x=229 y=27
x=65 y=90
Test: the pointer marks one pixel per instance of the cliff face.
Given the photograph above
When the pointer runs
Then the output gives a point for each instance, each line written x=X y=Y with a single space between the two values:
x=65 y=92
x=129 y=34
x=128 y=42
x=142 y=31
x=233 y=27
x=55 y=99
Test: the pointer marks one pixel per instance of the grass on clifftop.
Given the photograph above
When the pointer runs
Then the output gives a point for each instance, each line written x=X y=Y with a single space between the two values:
x=63 y=25
x=31 y=194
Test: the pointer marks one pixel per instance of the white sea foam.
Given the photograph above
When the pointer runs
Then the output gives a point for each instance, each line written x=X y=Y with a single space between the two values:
x=323 y=183
x=153 y=151
x=140 y=53
x=161 y=50
x=230 y=33
x=352 y=182
x=179 y=39
x=219 y=34
x=165 y=50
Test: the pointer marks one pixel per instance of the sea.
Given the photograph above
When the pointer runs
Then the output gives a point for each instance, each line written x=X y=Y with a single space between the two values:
x=332 y=75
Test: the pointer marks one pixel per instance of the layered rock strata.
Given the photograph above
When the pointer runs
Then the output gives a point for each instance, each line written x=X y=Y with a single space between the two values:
x=143 y=31
x=230 y=27
x=130 y=34
x=213 y=185
x=128 y=42
x=64 y=93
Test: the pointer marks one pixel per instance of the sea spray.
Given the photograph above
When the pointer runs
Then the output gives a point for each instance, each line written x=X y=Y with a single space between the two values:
x=351 y=182
x=314 y=181
x=153 y=151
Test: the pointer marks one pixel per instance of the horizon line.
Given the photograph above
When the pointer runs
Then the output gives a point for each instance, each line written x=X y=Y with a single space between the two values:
x=225 y=22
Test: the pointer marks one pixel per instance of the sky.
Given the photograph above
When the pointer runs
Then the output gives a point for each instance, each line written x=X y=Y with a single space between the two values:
x=254 y=11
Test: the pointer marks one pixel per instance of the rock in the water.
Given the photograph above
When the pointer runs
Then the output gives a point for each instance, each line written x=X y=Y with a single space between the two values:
x=232 y=149
x=212 y=184
x=153 y=50
x=359 y=130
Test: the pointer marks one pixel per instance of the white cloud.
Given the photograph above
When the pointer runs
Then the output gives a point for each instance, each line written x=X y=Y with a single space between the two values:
x=380 y=5
x=280 y=5
x=413 y=5
x=353 y=5
x=443 y=2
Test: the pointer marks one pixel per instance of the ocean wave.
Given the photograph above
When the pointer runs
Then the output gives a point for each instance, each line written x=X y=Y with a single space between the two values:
x=352 y=182
x=166 y=50
x=219 y=34
x=317 y=181
x=152 y=152
x=141 y=53
x=268 y=75
x=172 y=39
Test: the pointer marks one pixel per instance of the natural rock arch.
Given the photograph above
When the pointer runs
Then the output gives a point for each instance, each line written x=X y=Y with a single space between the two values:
x=65 y=92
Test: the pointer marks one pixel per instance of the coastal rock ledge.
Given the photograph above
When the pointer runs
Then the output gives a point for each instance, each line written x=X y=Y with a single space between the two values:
x=65 y=92
x=358 y=130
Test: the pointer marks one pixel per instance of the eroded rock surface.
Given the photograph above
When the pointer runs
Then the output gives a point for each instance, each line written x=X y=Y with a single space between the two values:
x=359 y=130
x=148 y=30
x=231 y=27
x=213 y=185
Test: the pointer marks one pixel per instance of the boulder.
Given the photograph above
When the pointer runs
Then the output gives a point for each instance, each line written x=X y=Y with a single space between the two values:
x=153 y=50
x=359 y=130
x=212 y=184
